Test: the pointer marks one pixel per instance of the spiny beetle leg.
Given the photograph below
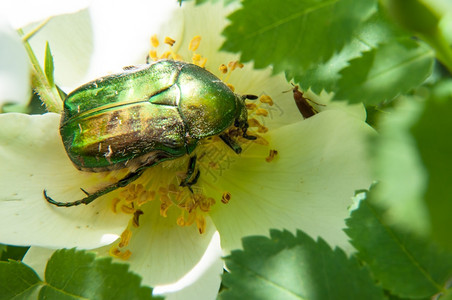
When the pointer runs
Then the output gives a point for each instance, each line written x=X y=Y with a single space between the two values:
x=188 y=182
x=231 y=143
x=132 y=176
x=86 y=193
x=249 y=137
x=193 y=181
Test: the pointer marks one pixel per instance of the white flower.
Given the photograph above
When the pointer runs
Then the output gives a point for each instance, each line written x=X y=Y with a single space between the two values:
x=20 y=13
x=308 y=184
x=14 y=72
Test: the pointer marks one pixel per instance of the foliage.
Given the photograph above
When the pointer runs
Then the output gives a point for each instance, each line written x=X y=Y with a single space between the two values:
x=72 y=274
x=395 y=57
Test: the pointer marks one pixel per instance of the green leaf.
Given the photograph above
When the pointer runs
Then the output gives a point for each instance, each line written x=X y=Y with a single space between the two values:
x=293 y=34
x=370 y=34
x=74 y=274
x=17 y=280
x=432 y=136
x=447 y=295
x=413 y=15
x=385 y=72
x=412 y=162
x=289 y=267
x=12 y=252
x=48 y=66
x=398 y=168
x=405 y=265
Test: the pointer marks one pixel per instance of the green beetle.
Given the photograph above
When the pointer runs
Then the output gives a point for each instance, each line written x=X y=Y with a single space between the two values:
x=146 y=115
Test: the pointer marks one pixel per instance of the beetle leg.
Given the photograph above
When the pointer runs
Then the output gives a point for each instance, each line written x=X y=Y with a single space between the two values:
x=231 y=143
x=91 y=197
x=86 y=193
x=193 y=181
x=191 y=169
x=248 y=137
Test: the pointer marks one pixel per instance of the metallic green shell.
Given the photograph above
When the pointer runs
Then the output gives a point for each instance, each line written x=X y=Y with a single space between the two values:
x=145 y=115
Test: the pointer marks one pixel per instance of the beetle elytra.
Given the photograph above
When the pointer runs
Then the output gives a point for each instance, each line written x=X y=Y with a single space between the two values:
x=144 y=116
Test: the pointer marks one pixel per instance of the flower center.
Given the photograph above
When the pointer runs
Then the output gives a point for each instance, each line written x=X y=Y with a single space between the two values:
x=167 y=181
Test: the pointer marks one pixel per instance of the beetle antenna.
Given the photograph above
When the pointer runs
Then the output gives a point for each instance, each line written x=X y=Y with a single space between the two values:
x=250 y=97
x=295 y=87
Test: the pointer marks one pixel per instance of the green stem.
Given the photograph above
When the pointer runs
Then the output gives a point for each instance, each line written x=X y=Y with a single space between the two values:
x=48 y=93
x=26 y=37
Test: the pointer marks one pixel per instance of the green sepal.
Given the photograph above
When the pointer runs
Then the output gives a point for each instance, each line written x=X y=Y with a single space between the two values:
x=49 y=67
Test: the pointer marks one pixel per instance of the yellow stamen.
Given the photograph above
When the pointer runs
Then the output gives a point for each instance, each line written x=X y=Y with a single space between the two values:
x=199 y=60
x=271 y=156
x=125 y=238
x=201 y=223
x=261 y=112
x=154 y=41
x=266 y=99
x=163 y=190
x=255 y=123
x=234 y=64
x=226 y=197
x=114 y=205
x=205 y=203
x=194 y=43
x=169 y=41
x=165 y=55
x=251 y=106
x=153 y=55
x=127 y=209
x=145 y=196
x=136 y=218
x=190 y=205
x=223 y=69
x=191 y=219
x=231 y=87
x=172 y=188
x=202 y=62
x=176 y=56
x=262 y=129
x=115 y=252
x=181 y=220
x=165 y=205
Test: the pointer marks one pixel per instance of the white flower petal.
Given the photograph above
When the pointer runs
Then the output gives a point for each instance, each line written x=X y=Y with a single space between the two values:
x=201 y=282
x=105 y=37
x=135 y=22
x=23 y=12
x=33 y=159
x=14 y=71
x=174 y=257
x=320 y=163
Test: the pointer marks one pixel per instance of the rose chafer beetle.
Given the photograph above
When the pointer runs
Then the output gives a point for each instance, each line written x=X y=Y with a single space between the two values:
x=146 y=115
